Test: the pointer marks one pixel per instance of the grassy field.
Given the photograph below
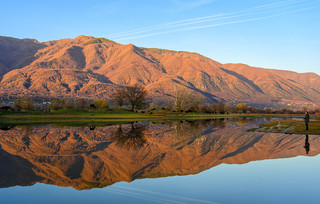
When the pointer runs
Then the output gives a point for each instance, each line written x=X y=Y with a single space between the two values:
x=102 y=117
x=290 y=126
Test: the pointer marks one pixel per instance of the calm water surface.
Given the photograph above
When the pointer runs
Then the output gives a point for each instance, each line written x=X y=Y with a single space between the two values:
x=211 y=161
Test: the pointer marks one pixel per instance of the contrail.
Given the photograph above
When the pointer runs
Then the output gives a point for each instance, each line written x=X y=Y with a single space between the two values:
x=252 y=11
x=157 y=27
x=163 y=26
x=215 y=25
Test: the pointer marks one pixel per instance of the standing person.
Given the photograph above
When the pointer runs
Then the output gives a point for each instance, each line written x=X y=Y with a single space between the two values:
x=306 y=120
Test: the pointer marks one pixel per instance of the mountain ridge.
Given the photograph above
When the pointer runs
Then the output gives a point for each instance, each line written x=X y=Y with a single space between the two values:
x=90 y=67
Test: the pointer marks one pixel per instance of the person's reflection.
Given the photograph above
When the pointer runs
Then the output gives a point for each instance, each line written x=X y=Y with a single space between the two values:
x=307 y=144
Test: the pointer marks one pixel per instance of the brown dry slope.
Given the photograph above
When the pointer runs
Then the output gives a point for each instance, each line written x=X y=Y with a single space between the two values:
x=92 y=67
x=16 y=53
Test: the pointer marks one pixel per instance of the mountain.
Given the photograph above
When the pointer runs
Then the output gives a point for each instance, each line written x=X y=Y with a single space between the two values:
x=91 y=67
x=85 y=158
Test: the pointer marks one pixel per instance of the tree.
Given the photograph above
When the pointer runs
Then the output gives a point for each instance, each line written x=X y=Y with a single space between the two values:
x=180 y=100
x=100 y=103
x=268 y=110
x=242 y=108
x=56 y=104
x=27 y=103
x=136 y=95
x=219 y=108
x=194 y=101
x=18 y=104
x=119 y=96
x=183 y=100
x=81 y=103
x=69 y=103
x=205 y=109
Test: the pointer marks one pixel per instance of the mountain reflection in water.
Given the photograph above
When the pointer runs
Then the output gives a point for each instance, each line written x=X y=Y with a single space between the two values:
x=90 y=157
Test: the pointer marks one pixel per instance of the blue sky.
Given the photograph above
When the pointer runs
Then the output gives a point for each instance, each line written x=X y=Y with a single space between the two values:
x=279 y=34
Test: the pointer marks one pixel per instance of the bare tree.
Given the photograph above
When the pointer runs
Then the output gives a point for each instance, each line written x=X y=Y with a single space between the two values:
x=69 y=103
x=136 y=95
x=28 y=103
x=56 y=104
x=220 y=107
x=119 y=96
x=180 y=100
x=268 y=110
x=25 y=104
x=183 y=100
x=18 y=104
x=81 y=103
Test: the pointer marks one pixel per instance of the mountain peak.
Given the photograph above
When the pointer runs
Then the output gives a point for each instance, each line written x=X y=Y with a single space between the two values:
x=91 y=67
x=93 y=40
x=83 y=37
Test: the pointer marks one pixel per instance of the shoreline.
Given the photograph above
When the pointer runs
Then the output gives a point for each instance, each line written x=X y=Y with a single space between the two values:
x=114 y=117
x=289 y=126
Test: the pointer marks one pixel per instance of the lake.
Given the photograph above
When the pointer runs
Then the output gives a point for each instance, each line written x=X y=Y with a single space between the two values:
x=207 y=161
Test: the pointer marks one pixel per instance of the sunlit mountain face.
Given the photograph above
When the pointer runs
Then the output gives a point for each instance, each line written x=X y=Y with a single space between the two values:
x=92 y=157
x=91 y=67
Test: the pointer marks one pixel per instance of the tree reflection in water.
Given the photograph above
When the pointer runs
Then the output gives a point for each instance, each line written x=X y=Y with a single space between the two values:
x=185 y=129
x=130 y=137
x=6 y=127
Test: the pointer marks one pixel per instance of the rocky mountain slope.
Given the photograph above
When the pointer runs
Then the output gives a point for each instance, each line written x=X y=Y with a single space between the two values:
x=91 y=67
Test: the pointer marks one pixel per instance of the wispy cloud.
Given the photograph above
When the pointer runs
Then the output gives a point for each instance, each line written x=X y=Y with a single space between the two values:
x=261 y=12
x=246 y=12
